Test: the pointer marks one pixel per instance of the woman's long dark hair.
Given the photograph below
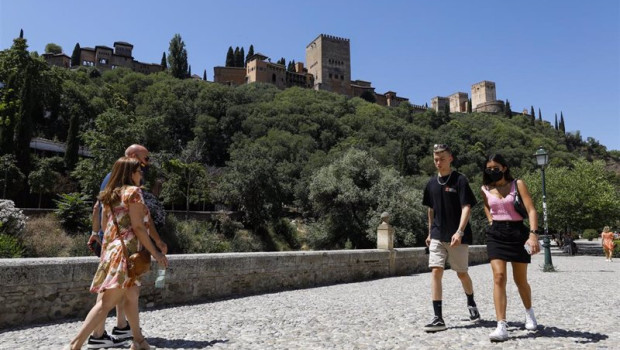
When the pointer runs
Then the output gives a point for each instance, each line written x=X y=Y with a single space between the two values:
x=497 y=158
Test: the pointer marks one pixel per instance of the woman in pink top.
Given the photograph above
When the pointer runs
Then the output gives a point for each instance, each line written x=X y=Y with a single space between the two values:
x=608 y=242
x=508 y=238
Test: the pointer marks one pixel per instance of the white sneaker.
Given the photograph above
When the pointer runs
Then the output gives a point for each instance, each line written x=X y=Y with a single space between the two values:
x=530 y=320
x=500 y=333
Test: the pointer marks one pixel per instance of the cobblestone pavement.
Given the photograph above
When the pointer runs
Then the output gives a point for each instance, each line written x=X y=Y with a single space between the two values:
x=576 y=308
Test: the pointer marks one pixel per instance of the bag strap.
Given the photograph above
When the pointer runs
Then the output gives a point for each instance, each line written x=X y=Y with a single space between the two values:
x=118 y=231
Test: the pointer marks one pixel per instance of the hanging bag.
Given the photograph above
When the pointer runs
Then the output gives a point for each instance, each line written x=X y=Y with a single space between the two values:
x=518 y=203
x=137 y=263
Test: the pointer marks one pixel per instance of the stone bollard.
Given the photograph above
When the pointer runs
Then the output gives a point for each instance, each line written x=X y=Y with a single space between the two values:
x=385 y=233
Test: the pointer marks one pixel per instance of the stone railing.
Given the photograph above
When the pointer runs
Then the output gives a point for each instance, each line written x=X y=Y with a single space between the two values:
x=48 y=289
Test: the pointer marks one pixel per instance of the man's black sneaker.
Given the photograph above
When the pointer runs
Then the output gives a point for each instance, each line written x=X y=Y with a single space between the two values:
x=436 y=325
x=122 y=333
x=105 y=341
x=474 y=315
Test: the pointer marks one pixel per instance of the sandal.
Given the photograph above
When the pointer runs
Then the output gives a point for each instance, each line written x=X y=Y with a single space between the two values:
x=140 y=345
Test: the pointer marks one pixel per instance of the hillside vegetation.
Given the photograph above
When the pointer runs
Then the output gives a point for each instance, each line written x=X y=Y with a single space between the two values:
x=333 y=162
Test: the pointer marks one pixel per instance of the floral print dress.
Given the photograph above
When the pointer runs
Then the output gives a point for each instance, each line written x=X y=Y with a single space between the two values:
x=112 y=270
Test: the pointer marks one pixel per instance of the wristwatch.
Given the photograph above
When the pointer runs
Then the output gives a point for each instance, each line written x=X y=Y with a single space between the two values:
x=460 y=233
x=94 y=233
x=536 y=232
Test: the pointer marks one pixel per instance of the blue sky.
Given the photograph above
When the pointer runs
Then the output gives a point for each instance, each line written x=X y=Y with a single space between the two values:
x=554 y=55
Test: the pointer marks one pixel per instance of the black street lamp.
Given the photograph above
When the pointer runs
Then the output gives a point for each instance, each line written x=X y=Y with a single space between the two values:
x=542 y=158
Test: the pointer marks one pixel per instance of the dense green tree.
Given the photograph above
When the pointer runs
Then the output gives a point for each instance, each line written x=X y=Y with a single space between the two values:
x=230 y=57
x=349 y=195
x=11 y=177
x=368 y=96
x=164 y=62
x=53 y=48
x=578 y=197
x=42 y=180
x=282 y=61
x=76 y=55
x=177 y=57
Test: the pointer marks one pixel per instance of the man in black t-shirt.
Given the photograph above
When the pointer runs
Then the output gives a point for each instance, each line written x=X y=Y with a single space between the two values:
x=449 y=200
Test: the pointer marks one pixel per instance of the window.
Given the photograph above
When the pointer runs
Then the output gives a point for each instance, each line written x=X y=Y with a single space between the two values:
x=103 y=61
x=330 y=75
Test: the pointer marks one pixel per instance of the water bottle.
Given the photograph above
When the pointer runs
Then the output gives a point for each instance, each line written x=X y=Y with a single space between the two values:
x=161 y=277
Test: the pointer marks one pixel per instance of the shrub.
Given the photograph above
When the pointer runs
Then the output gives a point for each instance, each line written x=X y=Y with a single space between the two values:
x=74 y=212
x=45 y=237
x=284 y=230
x=200 y=237
x=245 y=241
x=158 y=213
x=10 y=247
x=590 y=234
x=12 y=220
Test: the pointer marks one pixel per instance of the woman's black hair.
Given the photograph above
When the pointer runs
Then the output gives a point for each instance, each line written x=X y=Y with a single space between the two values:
x=497 y=158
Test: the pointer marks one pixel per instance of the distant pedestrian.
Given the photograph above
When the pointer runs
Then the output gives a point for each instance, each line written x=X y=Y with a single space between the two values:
x=608 y=243
x=508 y=239
x=449 y=200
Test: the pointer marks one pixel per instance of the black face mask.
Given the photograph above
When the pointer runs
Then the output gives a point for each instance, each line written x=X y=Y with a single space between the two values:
x=495 y=175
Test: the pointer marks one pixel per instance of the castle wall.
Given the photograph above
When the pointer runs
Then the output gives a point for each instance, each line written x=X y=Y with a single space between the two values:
x=229 y=75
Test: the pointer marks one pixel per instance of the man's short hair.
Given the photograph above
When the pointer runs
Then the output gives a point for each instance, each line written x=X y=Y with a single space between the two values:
x=441 y=147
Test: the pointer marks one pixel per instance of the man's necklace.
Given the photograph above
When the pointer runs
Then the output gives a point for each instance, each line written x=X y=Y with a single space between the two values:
x=446 y=180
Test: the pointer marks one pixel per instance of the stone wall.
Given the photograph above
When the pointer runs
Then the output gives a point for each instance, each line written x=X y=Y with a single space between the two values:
x=51 y=289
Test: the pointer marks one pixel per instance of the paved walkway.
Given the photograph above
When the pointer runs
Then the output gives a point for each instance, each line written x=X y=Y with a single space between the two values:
x=577 y=308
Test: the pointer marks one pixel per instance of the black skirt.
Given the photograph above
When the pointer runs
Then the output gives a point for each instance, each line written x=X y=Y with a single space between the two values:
x=505 y=240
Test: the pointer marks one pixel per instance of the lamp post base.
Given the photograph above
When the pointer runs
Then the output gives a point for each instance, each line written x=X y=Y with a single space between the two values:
x=548 y=264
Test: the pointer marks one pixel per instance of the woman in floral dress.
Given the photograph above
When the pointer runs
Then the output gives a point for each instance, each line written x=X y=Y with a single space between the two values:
x=124 y=197
x=608 y=243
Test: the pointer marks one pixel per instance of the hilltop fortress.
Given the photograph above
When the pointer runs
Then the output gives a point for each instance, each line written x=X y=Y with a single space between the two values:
x=328 y=60
x=328 y=67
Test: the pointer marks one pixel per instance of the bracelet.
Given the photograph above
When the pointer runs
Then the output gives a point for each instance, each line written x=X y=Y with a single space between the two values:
x=460 y=233
x=94 y=233
x=536 y=232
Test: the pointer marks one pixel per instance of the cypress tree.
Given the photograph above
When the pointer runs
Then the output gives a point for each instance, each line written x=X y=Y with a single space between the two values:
x=164 y=62
x=241 y=59
x=24 y=126
x=189 y=71
x=73 y=146
x=75 y=56
x=507 y=110
x=236 y=57
x=230 y=57
x=204 y=75
x=532 y=115
x=250 y=53
x=177 y=57
x=562 y=126
x=556 y=121
x=468 y=105
x=539 y=115
x=21 y=33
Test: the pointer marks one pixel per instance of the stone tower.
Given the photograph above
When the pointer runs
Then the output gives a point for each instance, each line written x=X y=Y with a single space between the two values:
x=482 y=92
x=329 y=60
